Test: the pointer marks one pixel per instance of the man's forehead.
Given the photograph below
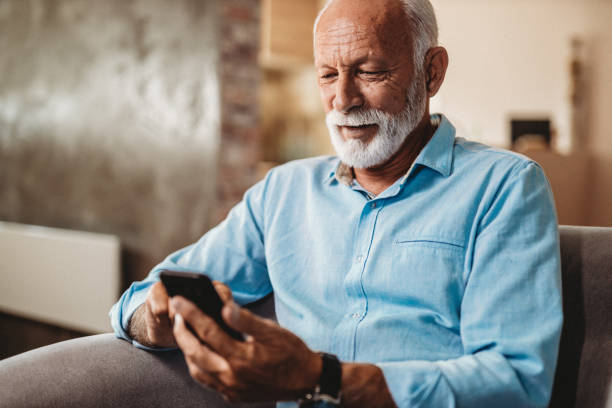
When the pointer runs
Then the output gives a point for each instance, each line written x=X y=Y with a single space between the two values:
x=343 y=31
x=364 y=12
x=373 y=21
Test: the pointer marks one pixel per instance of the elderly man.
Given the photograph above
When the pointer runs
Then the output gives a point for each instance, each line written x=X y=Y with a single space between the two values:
x=426 y=266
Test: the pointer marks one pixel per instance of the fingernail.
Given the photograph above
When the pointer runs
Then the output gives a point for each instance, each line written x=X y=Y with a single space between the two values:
x=235 y=312
x=178 y=319
x=231 y=312
x=175 y=302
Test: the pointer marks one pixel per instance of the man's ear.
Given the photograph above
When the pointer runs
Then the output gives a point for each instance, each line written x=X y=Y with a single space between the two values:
x=436 y=63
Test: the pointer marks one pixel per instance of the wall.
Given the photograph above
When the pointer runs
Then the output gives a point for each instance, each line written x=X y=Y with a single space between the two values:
x=513 y=57
x=110 y=118
x=240 y=149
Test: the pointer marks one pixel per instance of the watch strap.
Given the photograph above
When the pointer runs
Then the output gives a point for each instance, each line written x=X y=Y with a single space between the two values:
x=330 y=380
x=327 y=392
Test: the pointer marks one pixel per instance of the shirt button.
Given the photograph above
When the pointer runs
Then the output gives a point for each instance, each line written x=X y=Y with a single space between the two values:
x=356 y=316
x=359 y=259
x=373 y=205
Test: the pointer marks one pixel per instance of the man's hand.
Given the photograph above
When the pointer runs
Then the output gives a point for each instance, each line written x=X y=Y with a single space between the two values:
x=151 y=323
x=271 y=364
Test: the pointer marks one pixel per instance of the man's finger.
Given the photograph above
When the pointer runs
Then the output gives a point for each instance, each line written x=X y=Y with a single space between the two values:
x=191 y=348
x=155 y=313
x=158 y=300
x=246 y=322
x=205 y=327
x=203 y=377
x=195 y=352
x=225 y=293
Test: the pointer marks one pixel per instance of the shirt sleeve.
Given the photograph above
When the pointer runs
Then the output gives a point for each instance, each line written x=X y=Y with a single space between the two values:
x=233 y=253
x=511 y=311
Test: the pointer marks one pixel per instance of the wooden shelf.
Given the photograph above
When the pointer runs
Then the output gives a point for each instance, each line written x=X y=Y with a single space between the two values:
x=287 y=32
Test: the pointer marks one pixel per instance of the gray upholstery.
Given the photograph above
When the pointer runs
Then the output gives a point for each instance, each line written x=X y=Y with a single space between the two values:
x=102 y=371
x=584 y=371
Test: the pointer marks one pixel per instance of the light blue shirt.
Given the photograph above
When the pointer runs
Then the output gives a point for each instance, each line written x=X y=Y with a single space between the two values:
x=449 y=280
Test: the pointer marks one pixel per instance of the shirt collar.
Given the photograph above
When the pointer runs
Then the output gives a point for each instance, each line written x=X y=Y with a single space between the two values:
x=437 y=153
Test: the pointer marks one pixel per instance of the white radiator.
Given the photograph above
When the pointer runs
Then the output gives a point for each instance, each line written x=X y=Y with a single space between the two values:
x=62 y=277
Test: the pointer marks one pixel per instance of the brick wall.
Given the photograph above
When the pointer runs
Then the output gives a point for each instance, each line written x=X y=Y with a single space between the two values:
x=240 y=79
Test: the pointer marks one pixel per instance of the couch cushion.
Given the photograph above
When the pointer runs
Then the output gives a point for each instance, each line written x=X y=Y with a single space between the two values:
x=584 y=372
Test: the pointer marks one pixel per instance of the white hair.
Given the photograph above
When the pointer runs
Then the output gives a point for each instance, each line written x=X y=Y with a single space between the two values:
x=424 y=27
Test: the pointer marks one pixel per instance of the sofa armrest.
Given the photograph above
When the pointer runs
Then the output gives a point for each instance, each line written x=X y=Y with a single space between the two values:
x=101 y=371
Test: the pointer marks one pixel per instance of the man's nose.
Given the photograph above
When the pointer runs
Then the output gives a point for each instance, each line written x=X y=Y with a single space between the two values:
x=348 y=95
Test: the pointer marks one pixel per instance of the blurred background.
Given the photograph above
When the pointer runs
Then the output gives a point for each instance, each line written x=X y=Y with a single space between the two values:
x=128 y=128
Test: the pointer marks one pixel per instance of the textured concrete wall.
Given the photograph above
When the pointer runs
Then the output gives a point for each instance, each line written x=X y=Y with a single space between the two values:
x=110 y=119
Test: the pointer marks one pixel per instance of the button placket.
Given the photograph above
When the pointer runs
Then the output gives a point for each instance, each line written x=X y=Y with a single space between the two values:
x=345 y=333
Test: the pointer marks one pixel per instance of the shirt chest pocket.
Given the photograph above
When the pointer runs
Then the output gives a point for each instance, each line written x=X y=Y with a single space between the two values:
x=428 y=273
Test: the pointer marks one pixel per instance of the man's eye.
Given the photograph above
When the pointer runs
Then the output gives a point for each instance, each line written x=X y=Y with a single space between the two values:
x=373 y=73
x=328 y=76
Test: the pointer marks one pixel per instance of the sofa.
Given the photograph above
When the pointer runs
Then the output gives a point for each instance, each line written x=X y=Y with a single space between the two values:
x=102 y=371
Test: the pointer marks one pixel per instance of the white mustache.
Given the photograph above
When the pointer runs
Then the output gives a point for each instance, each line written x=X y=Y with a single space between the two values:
x=356 y=118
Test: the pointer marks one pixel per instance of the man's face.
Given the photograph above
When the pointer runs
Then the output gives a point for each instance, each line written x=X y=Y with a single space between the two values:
x=371 y=90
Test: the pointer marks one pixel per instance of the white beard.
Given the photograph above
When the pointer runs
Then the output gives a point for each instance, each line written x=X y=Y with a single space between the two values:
x=392 y=129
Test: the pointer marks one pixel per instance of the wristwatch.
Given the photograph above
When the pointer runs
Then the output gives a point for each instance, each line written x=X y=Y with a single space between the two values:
x=327 y=391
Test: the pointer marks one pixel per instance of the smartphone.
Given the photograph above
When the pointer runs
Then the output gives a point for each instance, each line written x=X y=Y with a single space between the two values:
x=199 y=289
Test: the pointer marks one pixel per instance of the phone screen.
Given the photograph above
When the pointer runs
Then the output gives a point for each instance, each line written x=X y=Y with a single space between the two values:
x=199 y=289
